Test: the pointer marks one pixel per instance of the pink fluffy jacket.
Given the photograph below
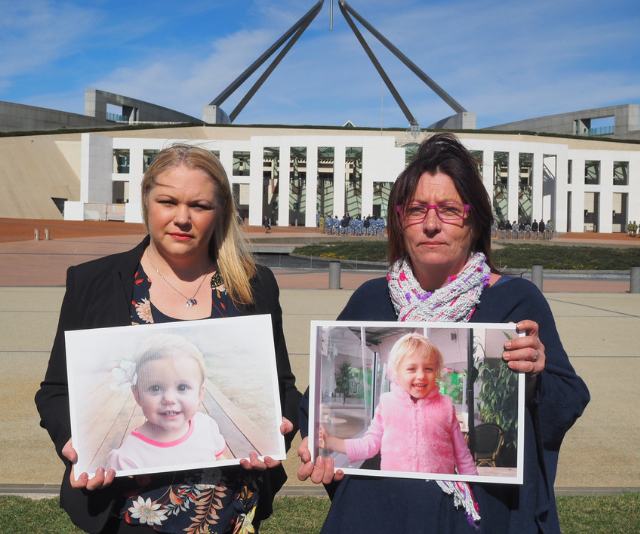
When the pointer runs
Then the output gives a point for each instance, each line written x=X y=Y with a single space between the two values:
x=422 y=436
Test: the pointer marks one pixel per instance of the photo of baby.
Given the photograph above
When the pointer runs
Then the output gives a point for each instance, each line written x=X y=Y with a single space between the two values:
x=168 y=384
x=416 y=401
x=414 y=427
x=174 y=396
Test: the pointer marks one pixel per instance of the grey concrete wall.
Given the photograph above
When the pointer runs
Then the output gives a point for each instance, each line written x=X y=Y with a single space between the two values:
x=22 y=118
x=215 y=115
x=33 y=171
x=95 y=105
x=627 y=121
x=464 y=120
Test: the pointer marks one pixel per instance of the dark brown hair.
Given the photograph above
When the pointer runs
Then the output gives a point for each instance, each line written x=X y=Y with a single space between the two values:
x=443 y=153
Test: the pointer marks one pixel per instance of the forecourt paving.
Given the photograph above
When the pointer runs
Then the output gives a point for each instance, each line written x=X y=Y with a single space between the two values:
x=599 y=323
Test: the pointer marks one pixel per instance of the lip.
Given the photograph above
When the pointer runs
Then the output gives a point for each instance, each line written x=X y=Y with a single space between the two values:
x=181 y=236
x=432 y=244
x=170 y=414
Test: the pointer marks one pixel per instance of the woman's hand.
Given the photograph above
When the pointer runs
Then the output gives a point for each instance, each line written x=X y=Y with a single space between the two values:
x=286 y=426
x=321 y=472
x=260 y=465
x=100 y=480
x=526 y=354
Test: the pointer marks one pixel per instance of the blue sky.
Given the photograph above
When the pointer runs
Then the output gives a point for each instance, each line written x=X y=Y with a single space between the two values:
x=505 y=60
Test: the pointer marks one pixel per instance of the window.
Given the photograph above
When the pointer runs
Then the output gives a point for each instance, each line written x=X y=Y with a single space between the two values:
x=525 y=187
x=121 y=160
x=271 y=182
x=353 y=182
x=410 y=150
x=147 y=158
x=324 y=194
x=500 y=185
x=478 y=155
x=591 y=172
x=620 y=173
x=241 y=163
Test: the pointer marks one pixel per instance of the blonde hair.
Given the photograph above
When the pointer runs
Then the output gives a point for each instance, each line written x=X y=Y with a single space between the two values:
x=228 y=245
x=411 y=344
x=165 y=346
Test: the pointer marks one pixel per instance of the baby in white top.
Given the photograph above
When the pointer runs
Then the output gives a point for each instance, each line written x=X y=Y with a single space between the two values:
x=169 y=385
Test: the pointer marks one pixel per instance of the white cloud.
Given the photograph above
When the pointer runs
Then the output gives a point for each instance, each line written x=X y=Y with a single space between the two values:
x=34 y=34
x=505 y=60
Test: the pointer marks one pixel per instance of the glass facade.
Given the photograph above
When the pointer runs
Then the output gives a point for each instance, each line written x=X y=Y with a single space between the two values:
x=298 y=186
x=619 y=215
x=500 y=185
x=325 y=199
x=620 y=173
x=270 y=181
x=381 y=192
x=410 y=150
x=353 y=182
x=591 y=172
x=478 y=155
x=241 y=198
x=120 y=192
x=591 y=211
x=147 y=158
x=121 y=160
x=241 y=163
x=525 y=187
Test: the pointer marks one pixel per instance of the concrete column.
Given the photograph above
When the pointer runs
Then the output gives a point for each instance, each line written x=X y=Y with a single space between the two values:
x=635 y=279
x=537 y=275
x=334 y=274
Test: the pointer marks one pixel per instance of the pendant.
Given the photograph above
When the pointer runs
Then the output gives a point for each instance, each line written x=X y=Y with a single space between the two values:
x=191 y=302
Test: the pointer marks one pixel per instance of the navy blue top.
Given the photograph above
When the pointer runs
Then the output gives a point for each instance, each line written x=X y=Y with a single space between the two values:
x=381 y=505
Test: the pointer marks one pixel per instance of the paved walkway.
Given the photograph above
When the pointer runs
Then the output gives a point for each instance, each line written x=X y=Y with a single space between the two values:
x=599 y=322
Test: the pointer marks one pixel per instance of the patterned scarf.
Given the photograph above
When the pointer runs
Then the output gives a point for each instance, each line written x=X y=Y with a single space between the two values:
x=454 y=302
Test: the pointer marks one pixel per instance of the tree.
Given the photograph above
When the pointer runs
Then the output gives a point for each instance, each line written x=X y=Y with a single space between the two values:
x=342 y=379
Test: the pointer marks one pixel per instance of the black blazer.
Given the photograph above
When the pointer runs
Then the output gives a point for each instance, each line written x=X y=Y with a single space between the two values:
x=98 y=295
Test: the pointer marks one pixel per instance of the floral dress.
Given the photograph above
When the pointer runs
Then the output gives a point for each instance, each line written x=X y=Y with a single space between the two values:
x=193 y=502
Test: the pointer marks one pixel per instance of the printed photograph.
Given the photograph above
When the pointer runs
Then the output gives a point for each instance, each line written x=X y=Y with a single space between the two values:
x=174 y=396
x=417 y=401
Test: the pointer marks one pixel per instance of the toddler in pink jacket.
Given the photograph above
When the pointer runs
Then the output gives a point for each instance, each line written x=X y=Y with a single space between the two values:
x=414 y=427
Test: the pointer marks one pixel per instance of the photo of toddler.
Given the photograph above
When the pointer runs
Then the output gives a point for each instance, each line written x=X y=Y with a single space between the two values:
x=167 y=381
x=414 y=426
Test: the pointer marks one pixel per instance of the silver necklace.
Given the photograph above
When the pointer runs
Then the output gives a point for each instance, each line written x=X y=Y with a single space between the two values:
x=190 y=301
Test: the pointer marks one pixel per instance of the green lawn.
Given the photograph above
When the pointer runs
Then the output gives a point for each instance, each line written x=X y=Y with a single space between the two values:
x=520 y=256
x=361 y=250
x=618 y=514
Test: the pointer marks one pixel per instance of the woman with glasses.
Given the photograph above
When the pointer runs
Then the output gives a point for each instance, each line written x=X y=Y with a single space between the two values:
x=441 y=270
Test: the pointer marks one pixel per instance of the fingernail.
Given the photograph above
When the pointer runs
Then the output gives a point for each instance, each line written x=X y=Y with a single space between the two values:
x=507 y=344
x=506 y=355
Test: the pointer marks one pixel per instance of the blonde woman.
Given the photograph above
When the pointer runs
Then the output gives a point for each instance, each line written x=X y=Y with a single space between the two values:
x=193 y=264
